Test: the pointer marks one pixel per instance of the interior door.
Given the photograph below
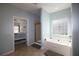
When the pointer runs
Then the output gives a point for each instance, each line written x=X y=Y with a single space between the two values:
x=37 y=32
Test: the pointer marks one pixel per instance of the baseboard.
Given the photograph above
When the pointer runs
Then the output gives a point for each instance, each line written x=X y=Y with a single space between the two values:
x=42 y=48
x=6 y=53
x=37 y=43
x=33 y=43
x=29 y=44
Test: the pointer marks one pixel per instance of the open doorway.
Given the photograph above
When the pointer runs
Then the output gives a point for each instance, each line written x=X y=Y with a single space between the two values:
x=20 y=26
x=37 y=40
x=38 y=33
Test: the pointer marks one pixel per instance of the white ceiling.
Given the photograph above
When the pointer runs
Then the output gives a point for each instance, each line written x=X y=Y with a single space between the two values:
x=49 y=7
x=53 y=7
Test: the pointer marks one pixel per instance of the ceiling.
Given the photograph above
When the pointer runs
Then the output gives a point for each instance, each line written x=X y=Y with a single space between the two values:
x=49 y=7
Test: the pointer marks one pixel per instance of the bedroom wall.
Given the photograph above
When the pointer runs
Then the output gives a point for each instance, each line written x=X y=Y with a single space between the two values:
x=7 y=12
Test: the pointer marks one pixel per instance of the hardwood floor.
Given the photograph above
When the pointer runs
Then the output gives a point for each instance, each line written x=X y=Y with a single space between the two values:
x=23 y=50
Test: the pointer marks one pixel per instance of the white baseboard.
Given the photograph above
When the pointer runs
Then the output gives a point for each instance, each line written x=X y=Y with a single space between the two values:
x=29 y=44
x=33 y=43
x=42 y=48
x=6 y=53
x=37 y=43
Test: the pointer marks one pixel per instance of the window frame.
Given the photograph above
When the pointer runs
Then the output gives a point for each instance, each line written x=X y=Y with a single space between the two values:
x=60 y=35
x=18 y=30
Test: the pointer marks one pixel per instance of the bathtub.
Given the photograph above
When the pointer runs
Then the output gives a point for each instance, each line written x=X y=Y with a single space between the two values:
x=61 y=46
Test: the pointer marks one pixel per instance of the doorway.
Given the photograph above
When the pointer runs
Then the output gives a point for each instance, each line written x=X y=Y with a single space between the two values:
x=37 y=41
x=20 y=31
x=38 y=33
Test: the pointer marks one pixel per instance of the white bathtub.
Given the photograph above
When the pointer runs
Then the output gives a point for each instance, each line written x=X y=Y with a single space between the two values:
x=60 y=46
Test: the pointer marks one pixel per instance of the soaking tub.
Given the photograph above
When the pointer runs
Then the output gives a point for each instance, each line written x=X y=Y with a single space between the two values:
x=59 y=45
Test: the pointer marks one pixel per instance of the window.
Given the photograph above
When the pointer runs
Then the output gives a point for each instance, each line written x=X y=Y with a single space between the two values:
x=16 y=29
x=59 y=27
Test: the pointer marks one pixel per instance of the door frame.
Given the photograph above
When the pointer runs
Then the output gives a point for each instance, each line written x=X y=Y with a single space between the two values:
x=26 y=29
x=35 y=30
